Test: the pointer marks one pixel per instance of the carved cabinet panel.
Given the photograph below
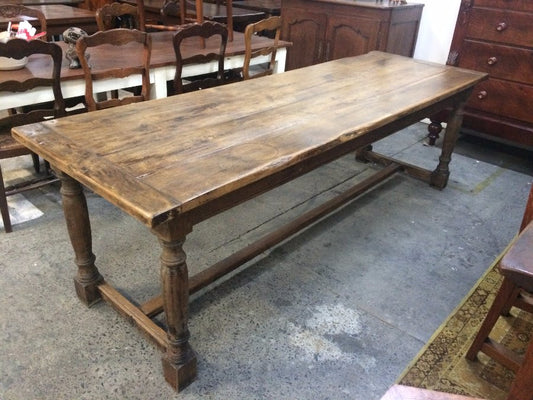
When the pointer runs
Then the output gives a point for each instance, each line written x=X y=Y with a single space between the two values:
x=323 y=30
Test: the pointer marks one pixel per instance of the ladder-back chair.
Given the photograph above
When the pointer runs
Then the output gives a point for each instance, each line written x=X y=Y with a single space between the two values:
x=272 y=24
x=20 y=82
x=119 y=15
x=133 y=49
x=186 y=34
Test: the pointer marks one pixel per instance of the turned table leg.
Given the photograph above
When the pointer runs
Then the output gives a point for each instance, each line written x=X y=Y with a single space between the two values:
x=434 y=130
x=439 y=177
x=79 y=229
x=179 y=362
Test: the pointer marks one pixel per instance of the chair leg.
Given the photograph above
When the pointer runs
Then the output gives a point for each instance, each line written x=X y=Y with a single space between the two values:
x=507 y=290
x=36 y=163
x=510 y=302
x=3 y=205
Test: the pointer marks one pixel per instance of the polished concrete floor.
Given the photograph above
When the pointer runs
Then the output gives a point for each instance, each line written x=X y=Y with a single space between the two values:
x=335 y=312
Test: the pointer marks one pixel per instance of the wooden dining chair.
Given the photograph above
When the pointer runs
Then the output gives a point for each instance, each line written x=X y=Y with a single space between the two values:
x=190 y=35
x=272 y=24
x=19 y=12
x=18 y=49
x=131 y=45
x=119 y=15
x=516 y=290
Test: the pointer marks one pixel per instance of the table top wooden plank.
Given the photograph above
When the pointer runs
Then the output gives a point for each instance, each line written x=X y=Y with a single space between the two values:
x=175 y=154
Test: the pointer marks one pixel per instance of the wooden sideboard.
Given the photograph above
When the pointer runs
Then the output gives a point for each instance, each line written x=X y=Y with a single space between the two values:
x=323 y=30
x=496 y=36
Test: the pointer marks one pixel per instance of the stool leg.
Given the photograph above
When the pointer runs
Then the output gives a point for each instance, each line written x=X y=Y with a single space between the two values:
x=502 y=298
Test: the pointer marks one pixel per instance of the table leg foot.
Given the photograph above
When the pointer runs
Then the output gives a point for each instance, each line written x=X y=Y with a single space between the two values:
x=180 y=375
x=87 y=289
x=360 y=154
x=439 y=179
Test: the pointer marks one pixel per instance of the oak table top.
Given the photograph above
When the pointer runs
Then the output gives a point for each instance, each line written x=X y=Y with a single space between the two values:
x=174 y=162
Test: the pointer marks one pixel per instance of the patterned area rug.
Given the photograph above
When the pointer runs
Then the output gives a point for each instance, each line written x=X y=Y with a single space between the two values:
x=441 y=364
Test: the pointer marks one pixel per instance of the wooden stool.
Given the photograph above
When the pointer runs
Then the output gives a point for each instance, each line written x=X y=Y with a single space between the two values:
x=399 y=392
x=516 y=266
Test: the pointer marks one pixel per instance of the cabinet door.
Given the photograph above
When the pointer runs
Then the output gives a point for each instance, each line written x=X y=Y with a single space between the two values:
x=306 y=31
x=351 y=36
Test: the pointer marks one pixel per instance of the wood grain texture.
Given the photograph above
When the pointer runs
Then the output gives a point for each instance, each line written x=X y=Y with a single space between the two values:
x=169 y=156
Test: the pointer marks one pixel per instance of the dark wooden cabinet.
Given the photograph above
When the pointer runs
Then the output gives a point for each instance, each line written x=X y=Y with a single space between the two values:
x=323 y=30
x=496 y=36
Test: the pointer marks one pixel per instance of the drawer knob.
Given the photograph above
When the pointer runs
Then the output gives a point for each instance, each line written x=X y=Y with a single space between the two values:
x=501 y=27
x=492 y=60
x=482 y=94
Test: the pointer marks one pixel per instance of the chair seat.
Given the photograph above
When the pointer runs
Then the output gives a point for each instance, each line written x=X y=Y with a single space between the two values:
x=9 y=147
x=517 y=264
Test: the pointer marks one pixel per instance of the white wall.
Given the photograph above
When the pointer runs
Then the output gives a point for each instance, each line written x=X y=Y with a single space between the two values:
x=436 y=29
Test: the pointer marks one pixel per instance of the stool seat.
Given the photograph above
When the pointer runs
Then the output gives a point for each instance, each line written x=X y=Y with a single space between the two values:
x=517 y=264
x=400 y=392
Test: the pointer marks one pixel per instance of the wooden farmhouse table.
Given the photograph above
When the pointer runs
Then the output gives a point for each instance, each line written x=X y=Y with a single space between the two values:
x=233 y=143
x=60 y=17
x=162 y=68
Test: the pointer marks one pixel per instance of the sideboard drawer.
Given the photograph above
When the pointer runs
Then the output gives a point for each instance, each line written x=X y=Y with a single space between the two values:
x=496 y=36
x=500 y=26
x=508 y=99
x=500 y=61
x=516 y=5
